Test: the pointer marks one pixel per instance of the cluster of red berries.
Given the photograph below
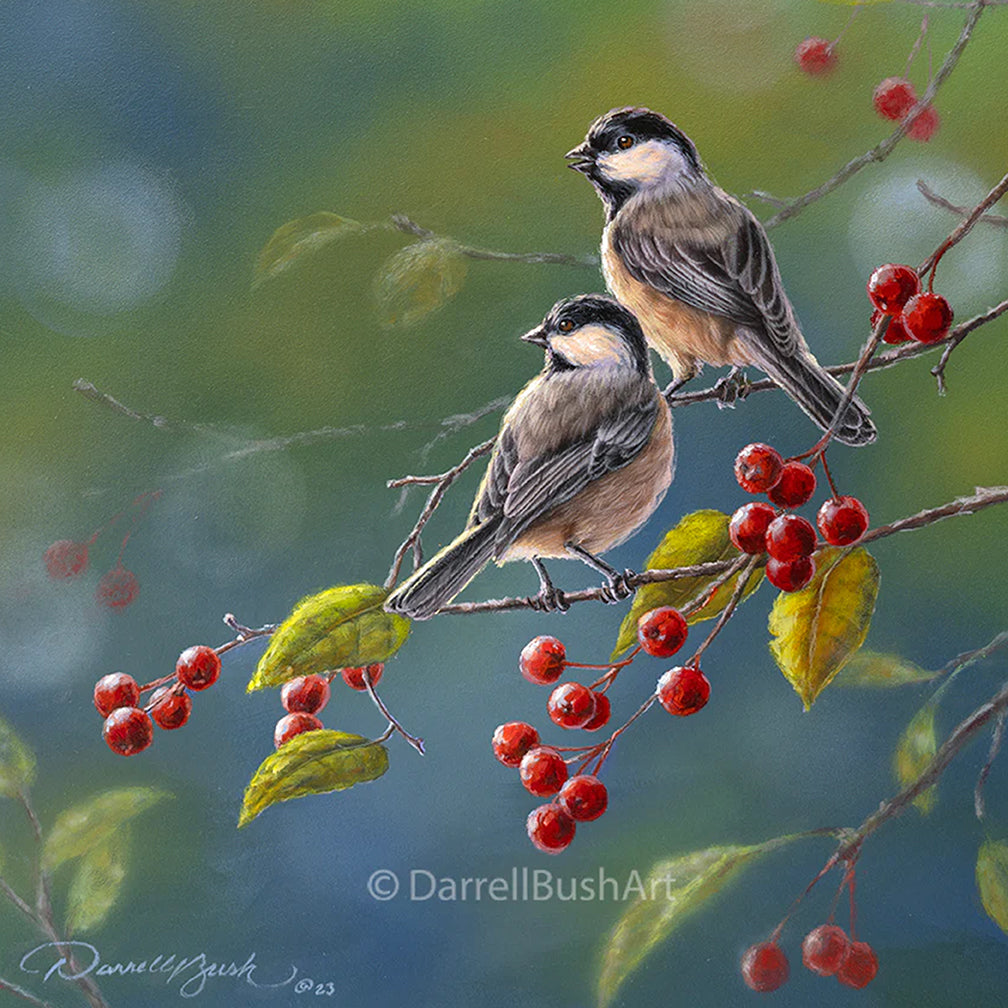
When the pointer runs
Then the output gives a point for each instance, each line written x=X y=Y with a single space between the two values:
x=789 y=539
x=826 y=950
x=895 y=291
x=129 y=728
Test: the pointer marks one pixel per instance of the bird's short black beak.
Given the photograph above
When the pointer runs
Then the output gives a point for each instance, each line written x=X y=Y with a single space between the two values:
x=581 y=158
x=537 y=336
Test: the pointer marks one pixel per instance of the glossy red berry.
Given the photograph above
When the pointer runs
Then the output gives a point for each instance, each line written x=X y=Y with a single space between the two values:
x=815 y=56
x=894 y=97
x=550 y=828
x=925 y=125
x=662 y=631
x=895 y=332
x=512 y=741
x=795 y=487
x=308 y=693
x=584 y=797
x=789 y=537
x=747 y=528
x=790 y=575
x=764 y=966
x=824 y=949
x=859 y=966
x=198 y=667
x=603 y=710
x=354 y=677
x=128 y=730
x=65 y=559
x=170 y=709
x=842 y=520
x=758 y=467
x=117 y=588
x=294 y=724
x=683 y=690
x=542 y=660
x=891 y=286
x=571 y=705
x=927 y=317
x=542 y=770
x=115 y=690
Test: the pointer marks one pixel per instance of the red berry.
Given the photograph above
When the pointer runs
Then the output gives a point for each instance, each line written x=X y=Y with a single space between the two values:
x=824 y=949
x=115 y=690
x=354 y=677
x=815 y=56
x=859 y=966
x=584 y=797
x=550 y=828
x=542 y=660
x=925 y=125
x=66 y=559
x=308 y=693
x=927 y=317
x=294 y=724
x=128 y=730
x=512 y=740
x=683 y=690
x=764 y=966
x=894 y=97
x=895 y=332
x=758 y=467
x=542 y=770
x=603 y=709
x=747 y=528
x=117 y=588
x=170 y=709
x=662 y=631
x=571 y=705
x=790 y=575
x=891 y=286
x=198 y=667
x=795 y=487
x=789 y=537
x=842 y=520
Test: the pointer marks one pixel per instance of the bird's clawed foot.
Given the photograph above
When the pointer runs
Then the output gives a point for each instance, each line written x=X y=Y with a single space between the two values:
x=731 y=387
x=550 y=598
x=618 y=587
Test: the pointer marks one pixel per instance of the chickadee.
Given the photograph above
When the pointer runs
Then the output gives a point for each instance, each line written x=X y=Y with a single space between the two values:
x=695 y=266
x=583 y=458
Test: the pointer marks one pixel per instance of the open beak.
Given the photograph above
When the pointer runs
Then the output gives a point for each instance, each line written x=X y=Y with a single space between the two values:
x=537 y=336
x=581 y=158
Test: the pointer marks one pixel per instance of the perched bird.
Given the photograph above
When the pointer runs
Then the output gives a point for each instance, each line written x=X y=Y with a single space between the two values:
x=583 y=458
x=695 y=266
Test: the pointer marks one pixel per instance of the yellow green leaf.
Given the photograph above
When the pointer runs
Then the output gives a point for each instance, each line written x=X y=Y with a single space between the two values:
x=818 y=629
x=314 y=762
x=992 y=880
x=874 y=670
x=341 y=627
x=700 y=537
x=17 y=763
x=419 y=279
x=93 y=823
x=671 y=892
x=298 y=238
x=97 y=883
x=914 y=751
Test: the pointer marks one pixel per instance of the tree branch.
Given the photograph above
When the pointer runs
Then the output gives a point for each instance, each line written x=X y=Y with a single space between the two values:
x=6 y=985
x=932 y=197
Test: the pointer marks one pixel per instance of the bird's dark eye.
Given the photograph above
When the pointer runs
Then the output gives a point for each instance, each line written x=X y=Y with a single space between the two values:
x=624 y=142
x=565 y=325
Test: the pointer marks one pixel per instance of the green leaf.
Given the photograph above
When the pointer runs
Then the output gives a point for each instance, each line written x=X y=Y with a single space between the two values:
x=819 y=628
x=17 y=763
x=95 y=822
x=992 y=880
x=700 y=537
x=298 y=238
x=97 y=883
x=314 y=762
x=341 y=627
x=673 y=890
x=915 y=749
x=419 y=279
x=874 y=670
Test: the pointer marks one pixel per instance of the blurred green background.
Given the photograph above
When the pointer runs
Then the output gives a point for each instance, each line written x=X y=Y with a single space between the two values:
x=147 y=153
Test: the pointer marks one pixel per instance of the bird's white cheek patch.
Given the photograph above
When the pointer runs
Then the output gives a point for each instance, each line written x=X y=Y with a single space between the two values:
x=644 y=164
x=592 y=344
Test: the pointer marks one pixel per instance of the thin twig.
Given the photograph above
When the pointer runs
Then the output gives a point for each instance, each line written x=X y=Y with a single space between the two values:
x=932 y=197
x=729 y=609
x=995 y=747
x=6 y=985
x=984 y=497
x=957 y=336
x=393 y=723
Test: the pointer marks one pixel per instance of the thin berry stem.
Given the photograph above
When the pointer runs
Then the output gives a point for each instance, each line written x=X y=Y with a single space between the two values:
x=829 y=477
x=413 y=740
x=726 y=614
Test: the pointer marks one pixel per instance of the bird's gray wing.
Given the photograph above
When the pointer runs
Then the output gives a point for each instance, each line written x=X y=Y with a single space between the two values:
x=493 y=493
x=737 y=278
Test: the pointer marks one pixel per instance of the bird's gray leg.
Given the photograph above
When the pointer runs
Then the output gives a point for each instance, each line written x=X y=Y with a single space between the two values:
x=619 y=584
x=550 y=598
x=677 y=383
x=731 y=387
